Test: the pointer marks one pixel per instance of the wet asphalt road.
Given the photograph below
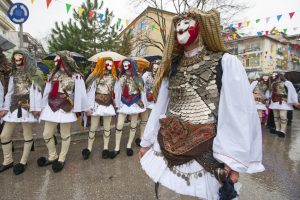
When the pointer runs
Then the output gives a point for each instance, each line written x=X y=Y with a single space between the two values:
x=122 y=178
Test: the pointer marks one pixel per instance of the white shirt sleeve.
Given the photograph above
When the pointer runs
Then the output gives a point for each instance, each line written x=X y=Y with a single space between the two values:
x=292 y=93
x=36 y=98
x=7 y=100
x=1 y=96
x=239 y=138
x=253 y=85
x=80 y=96
x=117 y=90
x=91 y=95
x=160 y=108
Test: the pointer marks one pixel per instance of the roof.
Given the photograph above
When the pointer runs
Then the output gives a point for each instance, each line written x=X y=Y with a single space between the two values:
x=148 y=9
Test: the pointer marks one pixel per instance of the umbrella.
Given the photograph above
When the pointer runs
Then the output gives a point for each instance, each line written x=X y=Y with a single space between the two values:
x=142 y=64
x=5 y=44
x=76 y=56
x=152 y=58
x=115 y=56
x=44 y=68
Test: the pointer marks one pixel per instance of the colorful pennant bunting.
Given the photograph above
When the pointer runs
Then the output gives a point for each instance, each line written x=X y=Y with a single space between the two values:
x=101 y=16
x=32 y=1
x=48 y=3
x=68 y=7
x=126 y=22
x=234 y=36
x=259 y=33
x=248 y=23
x=91 y=14
x=239 y=25
x=279 y=17
x=119 y=21
x=284 y=30
x=257 y=21
x=80 y=11
x=267 y=33
x=291 y=14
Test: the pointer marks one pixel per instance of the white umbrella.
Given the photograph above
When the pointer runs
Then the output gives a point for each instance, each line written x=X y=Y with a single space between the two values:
x=115 y=56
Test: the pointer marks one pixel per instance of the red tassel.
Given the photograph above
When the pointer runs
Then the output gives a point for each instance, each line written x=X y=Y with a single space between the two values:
x=54 y=90
x=126 y=91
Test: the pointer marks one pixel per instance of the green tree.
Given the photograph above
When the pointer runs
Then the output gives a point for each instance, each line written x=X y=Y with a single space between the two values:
x=86 y=34
x=125 y=46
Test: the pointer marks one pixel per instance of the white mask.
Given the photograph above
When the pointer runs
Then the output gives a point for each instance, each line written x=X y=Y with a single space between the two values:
x=182 y=30
x=126 y=65
x=56 y=60
x=19 y=59
x=155 y=67
x=109 y=64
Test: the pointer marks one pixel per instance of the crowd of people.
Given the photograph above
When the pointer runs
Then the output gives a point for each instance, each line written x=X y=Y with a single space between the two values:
x=203 y=129
x=275 y=99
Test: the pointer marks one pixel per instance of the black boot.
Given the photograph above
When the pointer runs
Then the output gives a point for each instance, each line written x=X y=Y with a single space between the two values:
x=86 y=154
x=105 y=154
x=273 y=131
x=281 y=134
x=129 y=151
x=42 y=162
x=57 y=166
x=138 y=142
x=5 y=167
x=113 y=154
x=19 y=168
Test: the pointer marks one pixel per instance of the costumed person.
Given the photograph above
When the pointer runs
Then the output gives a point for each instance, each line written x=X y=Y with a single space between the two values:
x=64 y=96
x=5 y=72
x=260 y=89
x=204 y=129
x=148 y=78
x=22 y=104
x=283 y=98
x=100 y=90
x=128 y=99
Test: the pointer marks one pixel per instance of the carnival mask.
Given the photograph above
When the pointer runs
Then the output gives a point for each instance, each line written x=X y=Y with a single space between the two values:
x=155 y=67
x=19 y=59
x=57 y=60
x=275 y=75
x=108 y=64
x=126 y=65
x=187 y=31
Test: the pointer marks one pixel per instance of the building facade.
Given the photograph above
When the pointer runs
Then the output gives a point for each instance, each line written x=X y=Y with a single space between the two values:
x=144 y=30
x=5 y=24
x=266 y=53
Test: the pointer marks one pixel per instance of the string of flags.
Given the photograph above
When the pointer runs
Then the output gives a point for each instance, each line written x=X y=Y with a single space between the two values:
x=81 y=10
x=247 y=23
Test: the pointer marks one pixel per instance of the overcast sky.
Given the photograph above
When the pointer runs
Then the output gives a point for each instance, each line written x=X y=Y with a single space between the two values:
x=41 y=19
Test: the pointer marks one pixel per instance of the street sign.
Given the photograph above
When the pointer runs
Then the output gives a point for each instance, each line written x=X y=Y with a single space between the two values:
x=18 y=13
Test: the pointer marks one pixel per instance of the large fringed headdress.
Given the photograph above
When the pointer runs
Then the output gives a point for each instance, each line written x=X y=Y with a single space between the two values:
x=30 y=67
x=210 y=37
x=5 y=71
x=68 y=63
x=99 y=70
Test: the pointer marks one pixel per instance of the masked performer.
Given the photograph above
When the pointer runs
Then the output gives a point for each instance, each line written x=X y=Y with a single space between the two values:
x=203 y=129
x=148 y=78
x=23 y=104
x=128 y=99
x=64 y=96
x=100 y=85
x=260 y=88
x=283 y=97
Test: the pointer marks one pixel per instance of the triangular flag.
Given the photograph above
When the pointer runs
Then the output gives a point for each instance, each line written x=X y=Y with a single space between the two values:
x=234 y=36
x=295 y=28
x=267 y=32
x=285 y=30
x=126 y=22
x=68 y=7
x=257 y=21
x=248 y=23
x=101 y=17
x=48 y=3
x=239 y=25
x=91 y=14
x=153 y=27
x=227 y=36
x=267 y=19
x=32 y=1
x=276 y=32
x=259 y=33
x=80 y=11
x=119 y=21
x=231 y=26
x=133 y=24
x=291 y=14
x=279 y=17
